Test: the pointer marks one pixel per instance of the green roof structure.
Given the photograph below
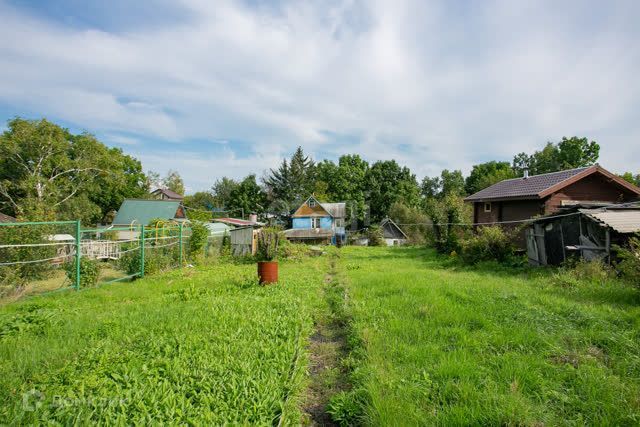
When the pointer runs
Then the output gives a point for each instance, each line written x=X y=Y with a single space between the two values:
x=217 y=229
x=142 y=211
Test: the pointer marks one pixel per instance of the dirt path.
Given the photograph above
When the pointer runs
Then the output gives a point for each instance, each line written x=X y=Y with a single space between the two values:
x=327 y=348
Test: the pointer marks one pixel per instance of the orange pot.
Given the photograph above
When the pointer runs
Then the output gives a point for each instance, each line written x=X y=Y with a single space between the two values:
x=268 y=271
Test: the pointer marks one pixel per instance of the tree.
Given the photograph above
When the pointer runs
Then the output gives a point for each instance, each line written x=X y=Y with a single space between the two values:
x=199 y=205
x=486 y=174
x=569 y=153
x=222 y=190
x=248 y=197
x=293 y=181
x=48 y=173
x=631 y=178
x=173 y=181
x=387 y=183
x=445 y=213
x=411 y=220
x=345 y=182
x=449 y=182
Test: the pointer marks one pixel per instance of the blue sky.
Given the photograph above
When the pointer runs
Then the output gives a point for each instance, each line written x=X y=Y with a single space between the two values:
x=214 y=88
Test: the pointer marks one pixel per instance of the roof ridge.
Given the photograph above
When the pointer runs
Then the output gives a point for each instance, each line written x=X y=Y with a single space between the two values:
x=547 y=173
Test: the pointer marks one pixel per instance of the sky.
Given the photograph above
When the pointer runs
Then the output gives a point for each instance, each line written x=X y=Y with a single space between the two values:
x=217 y=88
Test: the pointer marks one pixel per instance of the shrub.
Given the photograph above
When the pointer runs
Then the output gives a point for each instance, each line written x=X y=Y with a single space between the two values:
x=225 y=247
x=375 y=236
x=268 y=240
x=582 y=271
x=295 y=251
x=89 y=272
x=444 y=214
x=11 y=281
x=629 y=261
x=198 y=239
x=488 y=244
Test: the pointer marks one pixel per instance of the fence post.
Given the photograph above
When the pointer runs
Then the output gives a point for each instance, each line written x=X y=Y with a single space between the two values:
x=180 y=236
x=78 y=254
x=141 y=250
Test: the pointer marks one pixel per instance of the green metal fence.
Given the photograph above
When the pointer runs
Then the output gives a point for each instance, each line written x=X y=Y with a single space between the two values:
x=40 y=257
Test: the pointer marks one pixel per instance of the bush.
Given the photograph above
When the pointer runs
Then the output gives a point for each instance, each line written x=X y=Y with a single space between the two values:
x=294 y=251
x=375 y=236
x=582 y=271
x=488 y=244
x=629 y=261
x=89 y=272
x=444 y=214
x=198 y=239
x=11 y=281
x=155 y=260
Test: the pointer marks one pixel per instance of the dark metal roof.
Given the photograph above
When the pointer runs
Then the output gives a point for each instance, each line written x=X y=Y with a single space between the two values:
x=391 y=230
x=525 y=188
x=169 y=193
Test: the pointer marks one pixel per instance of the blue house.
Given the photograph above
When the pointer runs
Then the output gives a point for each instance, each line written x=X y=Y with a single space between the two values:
x=318 y=222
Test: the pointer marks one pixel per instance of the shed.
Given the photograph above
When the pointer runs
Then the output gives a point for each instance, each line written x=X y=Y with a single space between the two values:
x=218 y=229
x=243 y=241
x=582 y=230
x=393 y=235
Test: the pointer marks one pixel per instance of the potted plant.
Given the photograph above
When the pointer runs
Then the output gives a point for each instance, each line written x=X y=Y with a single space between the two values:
x=266 y=253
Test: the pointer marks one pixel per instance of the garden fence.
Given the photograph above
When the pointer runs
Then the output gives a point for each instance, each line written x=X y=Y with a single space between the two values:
x=41 y=257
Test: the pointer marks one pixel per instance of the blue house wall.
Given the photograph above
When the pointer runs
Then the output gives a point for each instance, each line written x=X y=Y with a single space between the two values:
x=305 y=222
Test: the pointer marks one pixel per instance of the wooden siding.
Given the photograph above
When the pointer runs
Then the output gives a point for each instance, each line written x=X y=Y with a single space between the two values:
x=591 y=188
x=306 y=210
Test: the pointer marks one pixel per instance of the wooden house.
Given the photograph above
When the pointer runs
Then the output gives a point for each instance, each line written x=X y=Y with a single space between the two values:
x=318 y=222
x=529 y=196
x=393 y=235
x=166 y=194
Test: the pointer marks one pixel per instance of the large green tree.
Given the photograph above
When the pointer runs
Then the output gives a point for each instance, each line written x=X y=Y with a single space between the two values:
x=387 y=183
x=569 y=153
x=248 y=197
x=173 y=181
x=486 y=174
x=293 y=181
x=449 y=182
x=222 y=190
x=48 y=173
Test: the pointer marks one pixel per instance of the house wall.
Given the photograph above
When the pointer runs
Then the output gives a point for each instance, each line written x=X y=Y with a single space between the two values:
x=305 y=222
x=592 y=188
x=301 y=222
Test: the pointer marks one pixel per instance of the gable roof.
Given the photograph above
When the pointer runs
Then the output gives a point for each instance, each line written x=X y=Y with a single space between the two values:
x=394 y=230
x=621 y=220
x=335 y=210
x=141 y=211
x=169 y=193
x=540 y=186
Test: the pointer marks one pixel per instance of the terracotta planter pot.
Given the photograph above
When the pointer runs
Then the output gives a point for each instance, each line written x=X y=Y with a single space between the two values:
x=268 y=271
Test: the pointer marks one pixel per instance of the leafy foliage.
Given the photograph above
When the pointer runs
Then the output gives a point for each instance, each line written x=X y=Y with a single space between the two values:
x=293 y=181
x=375 y=236
x=89 y=271
x=198 y=239
x=487 y=244
x=569 y=153
x=387 y=183
x=48 y=173
x=247 y=197
x=486 y=174
x=629 y=264
x=445 y=213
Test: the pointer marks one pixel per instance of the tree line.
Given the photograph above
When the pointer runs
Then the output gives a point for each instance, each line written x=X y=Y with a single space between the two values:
x=48 y=173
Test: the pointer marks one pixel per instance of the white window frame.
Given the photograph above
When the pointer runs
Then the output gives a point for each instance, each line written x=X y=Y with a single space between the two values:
x=312 y=203
x=315 y=222
x=487 y=206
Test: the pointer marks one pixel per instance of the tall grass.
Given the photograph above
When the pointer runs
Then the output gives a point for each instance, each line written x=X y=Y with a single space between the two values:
x=482 y=346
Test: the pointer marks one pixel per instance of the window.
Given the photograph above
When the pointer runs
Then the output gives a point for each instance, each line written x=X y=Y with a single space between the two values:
x=315 y=222
x=487 y=207
x=339 y=222
x=312 y=203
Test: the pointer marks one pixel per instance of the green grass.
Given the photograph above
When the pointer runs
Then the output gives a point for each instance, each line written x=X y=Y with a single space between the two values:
x=205 y=346
x=423 y=341
x=462 y=346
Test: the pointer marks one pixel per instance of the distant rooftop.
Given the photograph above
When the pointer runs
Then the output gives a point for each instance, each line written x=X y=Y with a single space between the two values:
x=169 y=193
x=238 y=222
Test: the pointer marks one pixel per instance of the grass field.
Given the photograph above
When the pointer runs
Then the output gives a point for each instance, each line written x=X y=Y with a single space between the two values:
x=204 y=347
x=416 y=338
x=491 y=346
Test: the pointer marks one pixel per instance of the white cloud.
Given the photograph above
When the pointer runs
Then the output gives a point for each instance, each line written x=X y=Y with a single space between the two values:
x=457 y=86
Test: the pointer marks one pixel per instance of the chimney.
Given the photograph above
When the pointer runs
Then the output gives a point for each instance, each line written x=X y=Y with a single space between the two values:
x=526 y=173
x=253 y=217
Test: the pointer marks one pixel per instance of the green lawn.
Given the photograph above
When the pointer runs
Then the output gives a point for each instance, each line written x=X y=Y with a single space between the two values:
x=490 y=346
x=202 y=346
x=429 y=342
